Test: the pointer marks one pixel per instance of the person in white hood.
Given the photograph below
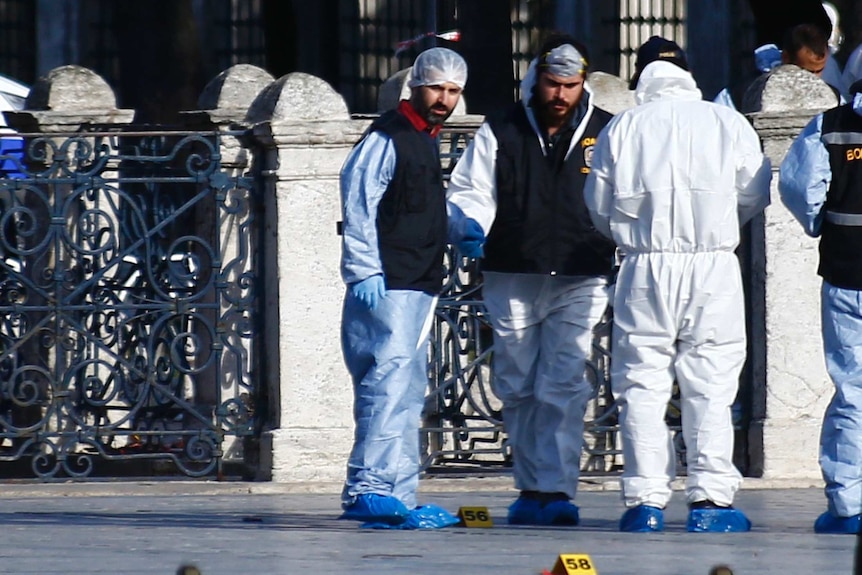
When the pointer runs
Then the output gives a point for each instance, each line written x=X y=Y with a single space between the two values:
x=819 y=181
x=672 y=181
x=545 y=270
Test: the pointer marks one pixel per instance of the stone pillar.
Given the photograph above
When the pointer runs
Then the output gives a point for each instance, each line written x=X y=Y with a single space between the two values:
x=67 y=100
x=223 y=105
x=306 y=128
x=790 y=401
x=611 y=93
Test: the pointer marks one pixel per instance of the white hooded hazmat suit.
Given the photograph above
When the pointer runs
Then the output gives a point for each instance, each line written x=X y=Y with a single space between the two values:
x=672 y=181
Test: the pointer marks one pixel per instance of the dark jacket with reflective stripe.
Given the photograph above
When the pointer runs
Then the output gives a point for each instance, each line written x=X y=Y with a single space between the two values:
x=841 y=229
x=411 y=216
x=542 y=225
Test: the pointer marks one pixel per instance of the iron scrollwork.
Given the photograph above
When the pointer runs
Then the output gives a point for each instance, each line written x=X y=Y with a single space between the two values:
x=127 y=304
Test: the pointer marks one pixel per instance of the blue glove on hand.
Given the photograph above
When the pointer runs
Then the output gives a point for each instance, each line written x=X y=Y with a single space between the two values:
x=369 y=291
x=472 y=241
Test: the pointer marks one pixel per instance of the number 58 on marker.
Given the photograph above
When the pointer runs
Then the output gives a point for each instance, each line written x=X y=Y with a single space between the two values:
x=574 y=564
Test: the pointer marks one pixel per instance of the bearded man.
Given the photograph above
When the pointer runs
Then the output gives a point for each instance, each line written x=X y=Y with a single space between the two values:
x=545 y=270
x=394 y=238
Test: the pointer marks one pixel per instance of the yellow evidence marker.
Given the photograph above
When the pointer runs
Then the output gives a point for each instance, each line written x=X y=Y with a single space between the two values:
x=475 y=517
x=577 y=564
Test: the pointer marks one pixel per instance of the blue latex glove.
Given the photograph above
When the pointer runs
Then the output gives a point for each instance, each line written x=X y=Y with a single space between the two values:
x=472 y=241
x=369 y=291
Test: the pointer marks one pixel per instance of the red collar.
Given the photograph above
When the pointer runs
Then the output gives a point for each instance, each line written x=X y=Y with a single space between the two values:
x=418 y=122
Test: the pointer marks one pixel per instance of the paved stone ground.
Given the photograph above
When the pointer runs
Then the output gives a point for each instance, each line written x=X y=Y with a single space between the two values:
x=152 y=527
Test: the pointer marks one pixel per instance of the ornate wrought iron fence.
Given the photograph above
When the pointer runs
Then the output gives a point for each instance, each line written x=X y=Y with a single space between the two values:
x=128 y=306
x=463 y=427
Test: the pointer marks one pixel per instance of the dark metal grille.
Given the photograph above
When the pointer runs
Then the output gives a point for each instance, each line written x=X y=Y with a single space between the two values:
x=640 y=19
x=99 y=50
x=128 y=306
x=371 y=30
x=239 y=34
x=528 y=33
x=18 y=39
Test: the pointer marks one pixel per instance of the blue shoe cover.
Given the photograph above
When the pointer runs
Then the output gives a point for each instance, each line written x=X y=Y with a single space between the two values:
x=529 y=511
x=375 y=508
x=726 y=520
x=424 y=517
x=524 y=511
x=828 y=523
x=430 y=516
x=559 y=513
x=642 y=519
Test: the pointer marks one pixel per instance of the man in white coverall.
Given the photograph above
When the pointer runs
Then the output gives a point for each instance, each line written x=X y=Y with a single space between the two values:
x=673 y=180
x=394 y=238
x=545 y=270
x=820 y=182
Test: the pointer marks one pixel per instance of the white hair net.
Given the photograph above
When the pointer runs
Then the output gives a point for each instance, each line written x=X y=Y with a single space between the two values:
x=437 y=66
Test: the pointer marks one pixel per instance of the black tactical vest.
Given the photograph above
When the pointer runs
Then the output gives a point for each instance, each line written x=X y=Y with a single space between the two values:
x=841 y=230
x=411 y=216
x=542 y=224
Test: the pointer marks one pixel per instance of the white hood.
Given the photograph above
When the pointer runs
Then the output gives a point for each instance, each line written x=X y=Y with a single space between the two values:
x=663 y=80
x=676 y=173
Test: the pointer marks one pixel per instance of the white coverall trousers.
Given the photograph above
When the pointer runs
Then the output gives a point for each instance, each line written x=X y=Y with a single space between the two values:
x=678 y=316
x=543 y=328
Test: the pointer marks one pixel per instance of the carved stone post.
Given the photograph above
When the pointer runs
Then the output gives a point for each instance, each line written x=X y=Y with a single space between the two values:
x=793 y=389
x=308 y=132
x=69 y=100
x=224 y=224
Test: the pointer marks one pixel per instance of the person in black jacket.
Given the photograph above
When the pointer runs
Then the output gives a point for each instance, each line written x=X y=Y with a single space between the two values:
x=820 y=182
x=545 y=268
x=394 y=237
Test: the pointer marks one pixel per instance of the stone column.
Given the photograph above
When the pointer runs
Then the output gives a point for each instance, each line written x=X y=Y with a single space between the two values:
x=223 y=104
x=611 y=93
x=792 y=394
x=306 y=128
x=68 y=101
